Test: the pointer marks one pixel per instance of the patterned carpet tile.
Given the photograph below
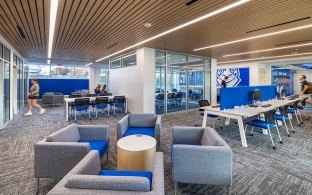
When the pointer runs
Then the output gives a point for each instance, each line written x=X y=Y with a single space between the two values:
x=258 y=169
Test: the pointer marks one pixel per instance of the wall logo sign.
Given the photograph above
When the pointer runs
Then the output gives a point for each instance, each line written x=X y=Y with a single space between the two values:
x=237 y=77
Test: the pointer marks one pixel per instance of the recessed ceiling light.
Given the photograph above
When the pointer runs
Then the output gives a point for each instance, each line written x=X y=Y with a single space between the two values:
x=223 y=9
x=147 y=25
x=255 y=37
x=53 y=12
x=237 y=54
x=253 y=59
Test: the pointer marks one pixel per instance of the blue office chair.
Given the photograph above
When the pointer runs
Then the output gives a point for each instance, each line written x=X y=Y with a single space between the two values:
x=203 y=103
x=119 y=102
x=82 y=105
x=295 y=110
x=283 y=116
x=303 y=107
x=268 y=123
x=160 y=100
x=101 y=103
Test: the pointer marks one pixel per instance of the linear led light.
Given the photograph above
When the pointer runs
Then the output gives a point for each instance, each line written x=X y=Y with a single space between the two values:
x=179 y=27
x=88 y=64
x=258 y=51
x=53 y=11
x=264 y=58
x=255 y=37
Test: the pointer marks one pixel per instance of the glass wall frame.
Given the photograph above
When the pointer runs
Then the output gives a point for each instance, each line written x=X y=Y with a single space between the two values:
x=5 y=82
x=187 y=73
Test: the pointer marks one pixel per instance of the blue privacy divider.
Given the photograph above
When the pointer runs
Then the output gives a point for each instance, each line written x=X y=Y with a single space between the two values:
x=237 y=96
x=65 y=86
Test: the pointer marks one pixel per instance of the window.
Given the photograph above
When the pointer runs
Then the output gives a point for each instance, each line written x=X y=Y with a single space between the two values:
x=115 y=63
x=39 y=71
x=57 y=72
x=129 y=60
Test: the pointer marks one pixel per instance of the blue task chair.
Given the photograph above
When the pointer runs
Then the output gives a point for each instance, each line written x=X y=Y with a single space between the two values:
x=283 y=116
x=171 y=99
x=72 y=104
x=303 y=107
x=82 y=104
x=294 y=109
x=101 y=103
x=203 y=103
x=119 y=102
x=160 y=100
x=268 y=123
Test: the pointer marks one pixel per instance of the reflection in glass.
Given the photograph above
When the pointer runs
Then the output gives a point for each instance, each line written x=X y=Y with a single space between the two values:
x=115 y=63
x=128 y=60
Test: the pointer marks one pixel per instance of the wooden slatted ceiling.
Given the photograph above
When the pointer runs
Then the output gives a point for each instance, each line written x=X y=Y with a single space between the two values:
x=86 y=28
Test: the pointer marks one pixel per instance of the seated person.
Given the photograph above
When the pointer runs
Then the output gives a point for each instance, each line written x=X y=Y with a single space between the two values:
x=104 y=89
x=97 y=90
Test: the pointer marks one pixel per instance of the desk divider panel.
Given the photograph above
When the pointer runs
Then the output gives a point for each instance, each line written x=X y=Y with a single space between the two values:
x=237 y=96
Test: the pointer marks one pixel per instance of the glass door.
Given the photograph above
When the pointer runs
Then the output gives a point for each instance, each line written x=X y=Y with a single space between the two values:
x=176 y=82
x=160 y=82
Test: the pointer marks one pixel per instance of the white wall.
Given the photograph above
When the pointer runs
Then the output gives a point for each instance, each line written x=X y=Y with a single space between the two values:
x=136 y=82
x=94 y=78
x=213 y=81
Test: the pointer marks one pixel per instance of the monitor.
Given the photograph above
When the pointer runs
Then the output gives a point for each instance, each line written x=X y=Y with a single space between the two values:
x=257 y=95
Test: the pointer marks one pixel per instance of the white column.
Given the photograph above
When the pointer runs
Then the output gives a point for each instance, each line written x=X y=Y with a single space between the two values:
x=91 y=80
x=14 y=89
x=213 y=81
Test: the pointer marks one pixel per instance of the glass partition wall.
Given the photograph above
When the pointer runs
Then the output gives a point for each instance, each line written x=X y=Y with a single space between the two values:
x=181 y=81
x=5 y=83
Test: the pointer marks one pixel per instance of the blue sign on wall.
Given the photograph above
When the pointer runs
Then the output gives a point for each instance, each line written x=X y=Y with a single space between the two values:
x=238 y=77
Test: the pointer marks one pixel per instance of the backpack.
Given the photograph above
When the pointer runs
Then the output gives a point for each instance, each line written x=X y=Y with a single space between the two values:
x=309 y=90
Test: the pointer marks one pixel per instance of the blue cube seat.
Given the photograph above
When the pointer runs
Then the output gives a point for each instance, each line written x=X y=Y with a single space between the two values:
x=147 y=174
x=280 y=117
x=210 y=115
x=150 y=131
x=261 y=124
x=101 y=146
x=291 y=110
x=301 y=107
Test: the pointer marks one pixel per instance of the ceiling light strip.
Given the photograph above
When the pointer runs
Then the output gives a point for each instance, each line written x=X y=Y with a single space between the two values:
x=264 y=50
x=178 y=27
x=88 y=64
x=53 y=12
x=264 y=58
x=255 y=37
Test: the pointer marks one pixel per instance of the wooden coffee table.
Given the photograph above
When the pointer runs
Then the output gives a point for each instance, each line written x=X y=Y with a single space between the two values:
x=136 y=153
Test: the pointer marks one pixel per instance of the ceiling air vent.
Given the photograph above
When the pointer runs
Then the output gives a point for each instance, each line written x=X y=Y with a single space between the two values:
x=20 y=32
x=297 y=20
x=190 y=2
x=112 y=45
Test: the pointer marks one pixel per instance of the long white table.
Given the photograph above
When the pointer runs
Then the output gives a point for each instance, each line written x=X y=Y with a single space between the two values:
x=245 y=112
x=68 y=100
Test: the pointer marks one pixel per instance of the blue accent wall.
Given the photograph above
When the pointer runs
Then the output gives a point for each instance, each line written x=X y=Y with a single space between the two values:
x=65 y=86
x=237 y=96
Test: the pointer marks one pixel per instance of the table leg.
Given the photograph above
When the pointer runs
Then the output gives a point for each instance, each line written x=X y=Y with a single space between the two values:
x=66 y=111
x=242 y=131
x=205 y=119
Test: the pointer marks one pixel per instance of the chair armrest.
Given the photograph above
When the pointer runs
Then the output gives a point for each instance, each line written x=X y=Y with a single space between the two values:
x=94 y=132
x=157 y=129
x=199 y=164
x=122 y=126
x=56 y=159
x=187 y=135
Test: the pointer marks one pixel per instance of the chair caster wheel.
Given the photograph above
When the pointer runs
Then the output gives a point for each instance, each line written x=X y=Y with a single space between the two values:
x=281 y=142
x=195 y=125
x=294 y=132
x=251 y=134
x=221 y=127
x=274 y=147
x=288 y=135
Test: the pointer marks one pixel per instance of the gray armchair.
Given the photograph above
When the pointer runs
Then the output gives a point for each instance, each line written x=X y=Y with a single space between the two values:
x=83 y=179
x=52 y=98
x=135 y=123
x=56 y=155
x=200 y=156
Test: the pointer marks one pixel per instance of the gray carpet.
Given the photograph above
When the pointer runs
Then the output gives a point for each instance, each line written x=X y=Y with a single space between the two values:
x=258 y=169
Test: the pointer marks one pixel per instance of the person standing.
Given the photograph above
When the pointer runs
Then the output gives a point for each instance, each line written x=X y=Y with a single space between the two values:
x=32 y=98
x=306 y=87
x=223 y=82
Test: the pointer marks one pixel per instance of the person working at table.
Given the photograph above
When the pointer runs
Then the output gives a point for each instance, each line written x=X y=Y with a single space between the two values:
x=97 y=90
x=104 y=89
x=223 y=82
